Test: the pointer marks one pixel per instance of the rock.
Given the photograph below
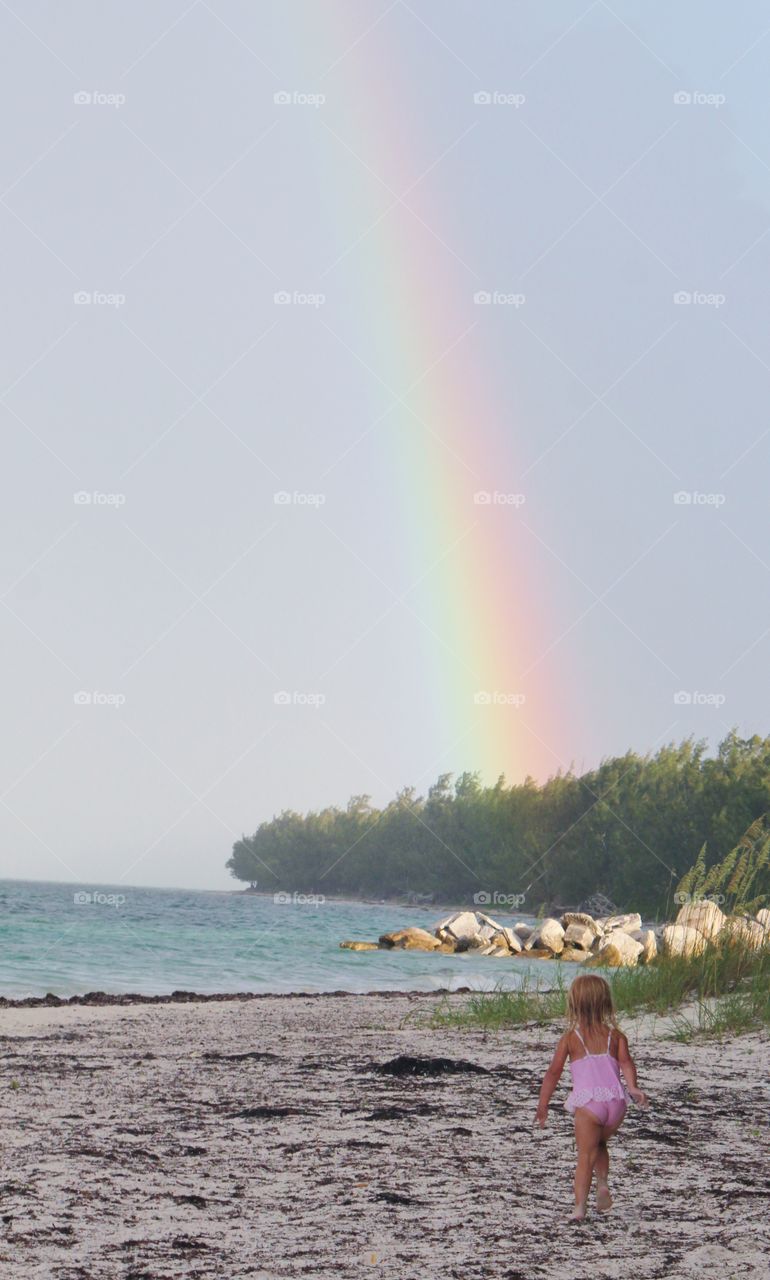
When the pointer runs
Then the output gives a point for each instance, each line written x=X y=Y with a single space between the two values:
x=549 y=935
x=448 y=948
x=523 y=931
x=705 y=916
x=582 y=917
x=628 y=923
x=359 y=946
x=488 y=932
x=485 y=919
x=579 y=935
x=512 y=940
x=626 y=947
x=573 y=953
x=648 y=941
x=463 y=925
x=681 y=940
x=539 y=953
x=609 y=957
x=744 y=929
x=410 y=939
x=763 y=918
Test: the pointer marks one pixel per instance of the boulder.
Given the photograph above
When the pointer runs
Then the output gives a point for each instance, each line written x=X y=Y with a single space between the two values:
x=539 y=953
x=705 y=916
x=359 y=946
x=463 y=925
x=523 y=931
x=628 y=923
x=410 y=939
x=649 y=944
x=485 y=919
x=744 y=929
x=623 y=944
x=549 y=936
x=608 y=957
x=582 y=917
x=763 y=918
x=512 y=940
x=579 y=935
x=681 y=940
x=573 y=953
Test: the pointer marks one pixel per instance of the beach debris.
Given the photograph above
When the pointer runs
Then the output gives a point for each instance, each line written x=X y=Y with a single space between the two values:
x=406 y=1065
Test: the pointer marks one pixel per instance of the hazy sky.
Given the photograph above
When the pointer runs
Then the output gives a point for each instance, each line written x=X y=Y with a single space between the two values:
x=148 y=167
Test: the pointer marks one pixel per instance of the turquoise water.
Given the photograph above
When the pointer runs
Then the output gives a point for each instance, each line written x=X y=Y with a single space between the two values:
x=69 y=939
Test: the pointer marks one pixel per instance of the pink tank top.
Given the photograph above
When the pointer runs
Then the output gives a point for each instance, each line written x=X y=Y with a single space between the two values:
x=595 y=1077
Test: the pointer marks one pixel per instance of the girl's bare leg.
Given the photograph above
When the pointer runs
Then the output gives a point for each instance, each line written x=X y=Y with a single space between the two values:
x=588 y=1134
x=602 y=1169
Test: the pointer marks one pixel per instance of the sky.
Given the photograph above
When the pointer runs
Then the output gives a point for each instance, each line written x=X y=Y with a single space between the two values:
x=384 y=395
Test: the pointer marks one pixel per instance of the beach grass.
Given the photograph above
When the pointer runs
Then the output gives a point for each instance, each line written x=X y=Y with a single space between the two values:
x=728 y=984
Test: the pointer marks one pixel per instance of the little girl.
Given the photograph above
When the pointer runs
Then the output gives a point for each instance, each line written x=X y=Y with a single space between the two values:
x=598 y=1052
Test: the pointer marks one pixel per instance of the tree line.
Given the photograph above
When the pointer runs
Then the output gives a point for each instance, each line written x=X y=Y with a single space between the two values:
x=629 y=829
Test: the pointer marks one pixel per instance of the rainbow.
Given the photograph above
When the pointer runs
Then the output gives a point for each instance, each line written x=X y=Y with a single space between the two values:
x=485 y=628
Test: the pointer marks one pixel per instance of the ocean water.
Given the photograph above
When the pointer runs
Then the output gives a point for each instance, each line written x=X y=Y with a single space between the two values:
x=69 y=939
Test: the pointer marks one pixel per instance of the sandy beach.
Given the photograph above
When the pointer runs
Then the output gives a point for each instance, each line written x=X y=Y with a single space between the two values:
x=258 y=1139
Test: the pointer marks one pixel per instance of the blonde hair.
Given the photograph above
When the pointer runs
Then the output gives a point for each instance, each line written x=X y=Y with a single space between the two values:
x=590 y=1002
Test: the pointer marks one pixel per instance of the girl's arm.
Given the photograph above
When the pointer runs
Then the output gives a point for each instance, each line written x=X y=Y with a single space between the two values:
x=628 y=1067
x=551 y=1079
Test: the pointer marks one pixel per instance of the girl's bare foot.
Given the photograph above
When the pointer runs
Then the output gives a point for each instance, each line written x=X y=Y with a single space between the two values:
x=579 y=1213
x=603 y=1197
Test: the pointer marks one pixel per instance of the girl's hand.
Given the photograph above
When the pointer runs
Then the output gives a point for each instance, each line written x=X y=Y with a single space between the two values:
x=541 y=1115
x=638 y=1096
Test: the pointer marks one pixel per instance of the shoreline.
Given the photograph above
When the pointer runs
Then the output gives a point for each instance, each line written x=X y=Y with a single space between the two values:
x=105 y=998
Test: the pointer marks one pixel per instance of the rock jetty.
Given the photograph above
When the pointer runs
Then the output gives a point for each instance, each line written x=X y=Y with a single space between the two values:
x=614 y=940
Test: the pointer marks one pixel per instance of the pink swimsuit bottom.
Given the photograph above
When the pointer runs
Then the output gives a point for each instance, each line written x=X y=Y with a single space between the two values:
x=597 y=1086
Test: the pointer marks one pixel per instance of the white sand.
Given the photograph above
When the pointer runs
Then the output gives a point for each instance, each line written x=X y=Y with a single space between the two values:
x=125 y=1156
